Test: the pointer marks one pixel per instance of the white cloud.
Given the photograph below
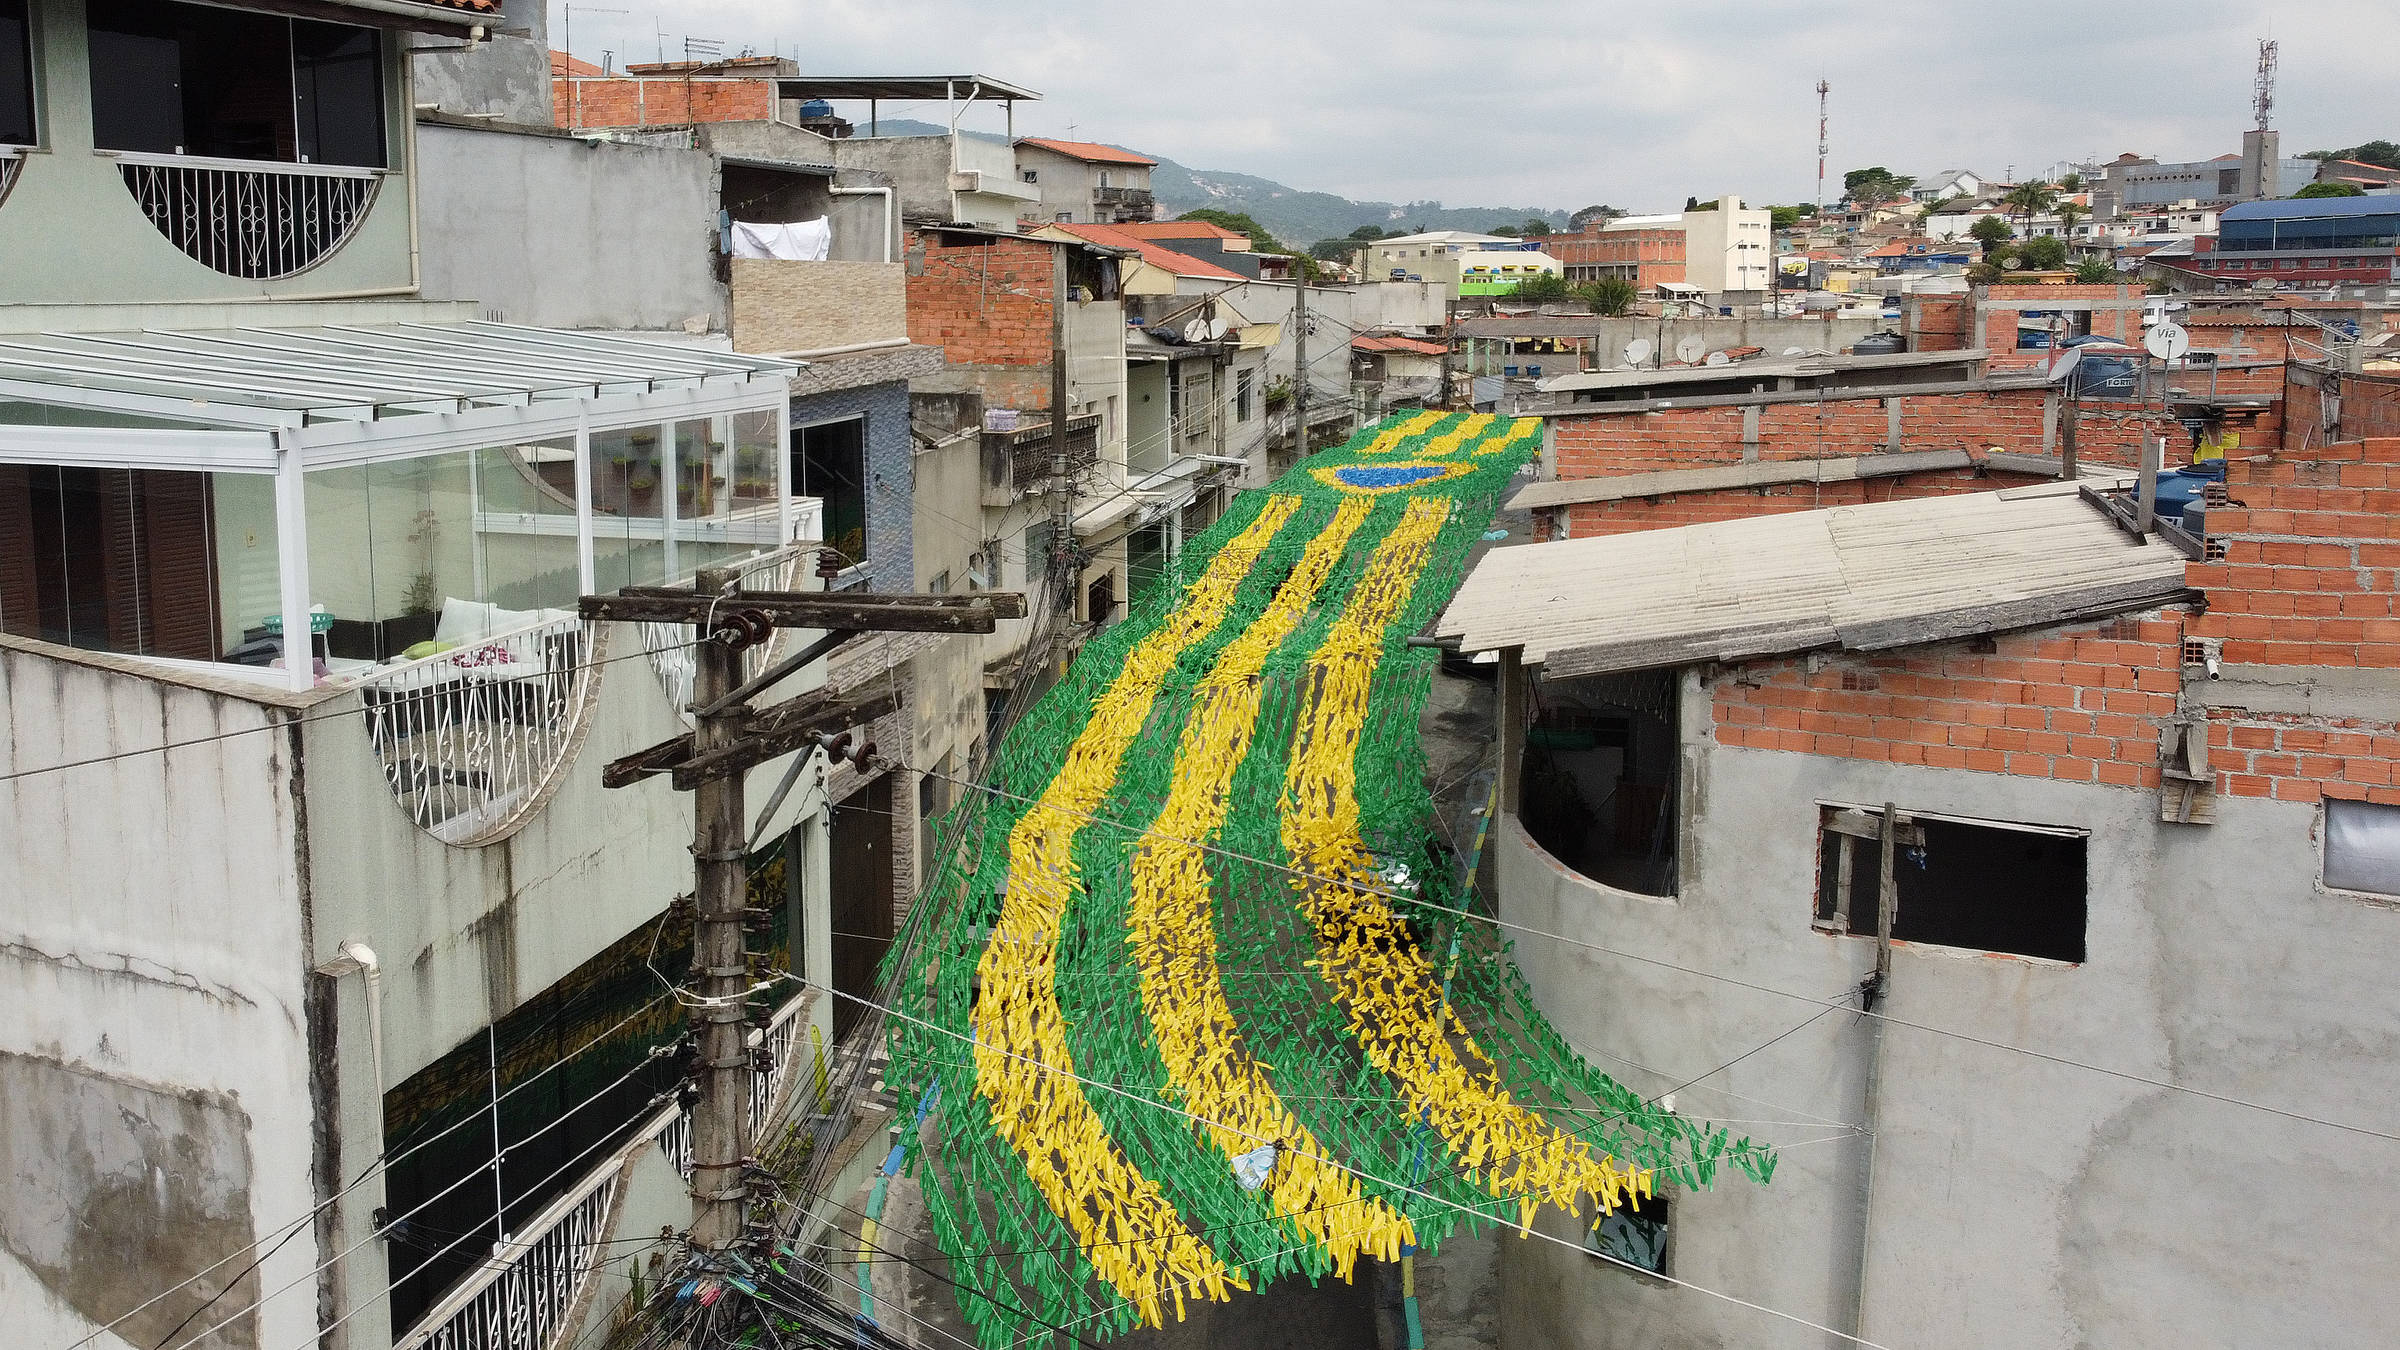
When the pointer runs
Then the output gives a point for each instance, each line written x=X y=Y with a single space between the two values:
x=1565 y=102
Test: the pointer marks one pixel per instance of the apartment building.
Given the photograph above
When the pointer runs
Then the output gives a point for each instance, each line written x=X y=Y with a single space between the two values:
x=1082 y=182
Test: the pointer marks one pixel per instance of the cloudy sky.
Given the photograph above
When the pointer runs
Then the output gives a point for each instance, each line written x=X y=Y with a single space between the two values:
x=1562 y=103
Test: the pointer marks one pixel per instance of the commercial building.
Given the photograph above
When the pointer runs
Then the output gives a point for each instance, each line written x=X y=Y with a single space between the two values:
x=1461 y=262
x=2131 y=182
x=1723 y=250
x=2308 y=241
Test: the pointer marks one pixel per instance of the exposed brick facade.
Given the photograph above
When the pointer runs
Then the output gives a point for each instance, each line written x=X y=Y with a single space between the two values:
x=2004 y=305
x=1644 y=257
x=986 y=303
x=2080 y=703
x=635 y=102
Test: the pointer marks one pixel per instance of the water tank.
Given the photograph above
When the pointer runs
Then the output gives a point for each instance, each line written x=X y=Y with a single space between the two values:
x=814 y=108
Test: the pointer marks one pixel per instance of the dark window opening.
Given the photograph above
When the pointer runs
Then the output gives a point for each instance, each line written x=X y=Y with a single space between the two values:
x=176 y=79
x=1980 y=887
x=1146 y=557
x=1089 y=277
x=1245 y=390
x=829 y=462
x=1636 y=1233
x=113 y=560
x=542 y=1083
x=16 y=73
x=1100 y=600
x=1598 y=790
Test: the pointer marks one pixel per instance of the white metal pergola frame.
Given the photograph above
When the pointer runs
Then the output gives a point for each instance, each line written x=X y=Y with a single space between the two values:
x=288 y=401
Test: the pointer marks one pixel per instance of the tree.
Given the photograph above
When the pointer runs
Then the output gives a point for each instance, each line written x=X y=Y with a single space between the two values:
x=1505 y=231
x=1868 y=187
x=2043 y=254
x=2382 y=153
x=2072 y=183
x=1703 y=206
x=1590 y=215
x=2030 y=199
x=1783 y=217
x=2068 y=214
x=1609 y=296
x=1691 y=203
x=1991 y=232
x=1240 y=223
x=1536 y=225
x=1542 y=286
x=2096 y=272
x=2329 y=190
x=1367 y=233
x=1335 y=250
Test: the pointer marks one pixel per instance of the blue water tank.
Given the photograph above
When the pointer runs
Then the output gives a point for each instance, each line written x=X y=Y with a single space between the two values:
x=2179 y=488
x=816 y=107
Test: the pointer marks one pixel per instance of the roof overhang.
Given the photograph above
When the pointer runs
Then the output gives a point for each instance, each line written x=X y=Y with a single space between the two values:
x=224 y=399
x=902 y=87
x=412 y=15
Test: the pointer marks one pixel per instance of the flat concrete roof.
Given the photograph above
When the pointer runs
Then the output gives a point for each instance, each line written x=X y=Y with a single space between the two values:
x=1801 y=367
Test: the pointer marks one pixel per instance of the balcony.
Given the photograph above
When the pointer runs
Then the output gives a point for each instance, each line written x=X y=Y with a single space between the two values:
x=1125 y=203
x=1019 y=463
x=249 y=219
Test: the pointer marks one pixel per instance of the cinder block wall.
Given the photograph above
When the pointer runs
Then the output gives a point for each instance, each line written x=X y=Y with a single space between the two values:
x=807 y=306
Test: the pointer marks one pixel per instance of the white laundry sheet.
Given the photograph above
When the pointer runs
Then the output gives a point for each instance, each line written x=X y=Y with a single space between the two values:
x=798 y=241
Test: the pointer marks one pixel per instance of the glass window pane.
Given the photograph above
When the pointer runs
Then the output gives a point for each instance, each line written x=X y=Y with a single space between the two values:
x=629 y=513
x=139 y=562
x=16 y=74
x=525 y=527
x=2362 y=847
x=191 y=79
x=337 y=93
x=706 y=532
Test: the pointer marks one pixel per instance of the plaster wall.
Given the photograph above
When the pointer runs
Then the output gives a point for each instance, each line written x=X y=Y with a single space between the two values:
x=507 y=75
x=566 y=233
x=155 y=1057
x=72 y=233
x=2015 y=1202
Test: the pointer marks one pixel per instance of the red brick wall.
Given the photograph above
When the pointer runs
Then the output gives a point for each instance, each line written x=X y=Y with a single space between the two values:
x=1999 y=324
x=2080 y=703
x=2312 y=560
x=986 y=302
x=1656 y=255
x=664 y=102
x=1937 y=325
x=2304 y=759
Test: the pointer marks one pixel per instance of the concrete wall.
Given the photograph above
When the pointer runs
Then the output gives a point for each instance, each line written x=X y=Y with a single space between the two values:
x=809 y=306
x=507 y=75
x=72 y=233
x=2015 y=1202
x=155 y=1061
x=560 y=232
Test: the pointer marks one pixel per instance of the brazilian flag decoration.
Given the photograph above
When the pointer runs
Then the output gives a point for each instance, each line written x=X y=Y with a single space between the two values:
x=1190 y=999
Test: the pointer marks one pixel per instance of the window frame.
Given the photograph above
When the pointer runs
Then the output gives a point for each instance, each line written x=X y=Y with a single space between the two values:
x=1841 y=918
x=294 y=89
x=796 y=454
x=2325 y=861
x=1665 y=1269
x=33 y=80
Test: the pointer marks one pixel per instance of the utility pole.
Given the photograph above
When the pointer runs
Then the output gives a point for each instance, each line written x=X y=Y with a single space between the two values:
x=1062 y=496
x=1823 y=89
x=1299 y=360
x=727 y=739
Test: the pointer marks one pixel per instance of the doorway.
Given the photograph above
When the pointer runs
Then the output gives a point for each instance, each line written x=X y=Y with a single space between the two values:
x=861 y=902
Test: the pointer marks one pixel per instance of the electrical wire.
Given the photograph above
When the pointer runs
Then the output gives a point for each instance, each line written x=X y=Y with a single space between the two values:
x=1530 y=931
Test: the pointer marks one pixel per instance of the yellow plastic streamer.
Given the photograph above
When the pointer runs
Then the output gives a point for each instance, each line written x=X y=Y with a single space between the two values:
x=1174 y=937
x=1388 y=990
x=1132 y=1235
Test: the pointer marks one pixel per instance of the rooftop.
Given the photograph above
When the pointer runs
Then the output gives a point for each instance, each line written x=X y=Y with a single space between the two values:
x=1370 y=342
x=1090 y=152
x=1156 y=254
x=2312 y=208
x=1801 y=367
x=1857 y=578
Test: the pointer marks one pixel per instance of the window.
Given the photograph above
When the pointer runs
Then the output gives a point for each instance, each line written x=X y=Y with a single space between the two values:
x=188 y=80
x=1980 y=885
x=1597 y=789
x=1066 y=217
x=1032 y=177
x=829 y=461
x=1037 y=552
x=1104 y=178
x=2362 y=847
x=1245 y=388
x=16 y=73
x=1635 y=1233
x=940 y=585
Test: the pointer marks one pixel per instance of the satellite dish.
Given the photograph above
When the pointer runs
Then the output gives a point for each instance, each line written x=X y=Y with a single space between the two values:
x=1795 y=351
x=1637 y=351
x=2167 y=341
x=2011 y=263
x=1719 y=359
x=1690 y=348
x=1196 y=331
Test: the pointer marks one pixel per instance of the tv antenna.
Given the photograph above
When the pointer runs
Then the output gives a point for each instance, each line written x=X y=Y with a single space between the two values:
x=1823 y=89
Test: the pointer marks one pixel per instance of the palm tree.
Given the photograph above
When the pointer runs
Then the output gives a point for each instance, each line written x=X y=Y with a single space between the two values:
x=2068 y=214
x=2030 y=199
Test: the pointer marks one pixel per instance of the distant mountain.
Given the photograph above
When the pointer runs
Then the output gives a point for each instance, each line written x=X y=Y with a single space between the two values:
x=1295 y=217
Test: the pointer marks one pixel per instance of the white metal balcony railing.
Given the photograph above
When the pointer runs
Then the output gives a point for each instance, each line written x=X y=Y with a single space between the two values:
x=11 y=161
x=249 y=218
x=473 y=739
x=770 y=1092
x=670 y=644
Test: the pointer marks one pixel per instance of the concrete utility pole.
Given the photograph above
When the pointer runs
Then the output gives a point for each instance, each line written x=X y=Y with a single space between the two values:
x=1062 y=499
x=727 y=739
x=1299 y=360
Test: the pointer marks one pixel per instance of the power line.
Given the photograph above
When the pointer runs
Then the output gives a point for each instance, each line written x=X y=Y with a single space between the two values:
x=1497 y=922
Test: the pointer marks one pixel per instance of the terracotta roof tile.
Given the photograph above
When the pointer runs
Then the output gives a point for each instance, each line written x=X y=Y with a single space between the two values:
x=563 y=64
x=1087 y=151
x=1369 y=342
x=1155 y=254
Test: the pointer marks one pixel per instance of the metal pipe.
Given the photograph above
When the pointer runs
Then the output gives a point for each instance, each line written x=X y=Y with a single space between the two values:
x=878 y=344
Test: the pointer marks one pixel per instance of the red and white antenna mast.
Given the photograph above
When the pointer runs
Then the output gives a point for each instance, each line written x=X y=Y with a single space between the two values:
x=2263 y=88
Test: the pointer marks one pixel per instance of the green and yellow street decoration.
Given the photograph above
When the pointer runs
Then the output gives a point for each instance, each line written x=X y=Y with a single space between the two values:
x=1188 y=1008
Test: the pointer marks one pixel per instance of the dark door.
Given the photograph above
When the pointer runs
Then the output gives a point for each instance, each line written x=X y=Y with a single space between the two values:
x=1100 y=602
x=862 y=895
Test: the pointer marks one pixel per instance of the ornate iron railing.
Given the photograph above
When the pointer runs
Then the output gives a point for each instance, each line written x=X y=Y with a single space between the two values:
x=770 y=1091
x=526 y=1294
x=248 y=218
x=472 y=739
x=11 y=162
x=670 y=644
